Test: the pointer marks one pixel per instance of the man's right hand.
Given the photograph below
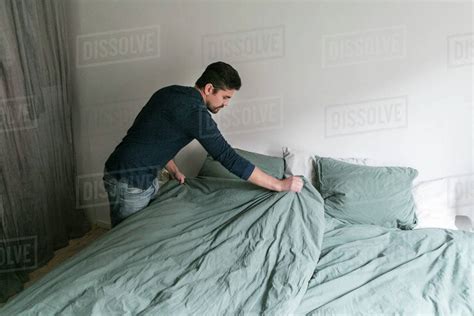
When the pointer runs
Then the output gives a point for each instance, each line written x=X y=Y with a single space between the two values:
x=262 y=179
x=293 y=184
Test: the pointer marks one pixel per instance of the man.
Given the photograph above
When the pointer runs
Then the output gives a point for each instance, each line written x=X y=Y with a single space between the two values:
x=172 y=118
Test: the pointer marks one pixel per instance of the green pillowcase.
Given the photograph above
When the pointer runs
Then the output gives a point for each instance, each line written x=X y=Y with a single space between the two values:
x=367 y=195
x=274 y=166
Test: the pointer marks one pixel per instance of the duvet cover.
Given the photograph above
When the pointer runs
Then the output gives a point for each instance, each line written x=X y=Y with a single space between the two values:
x=226 y=247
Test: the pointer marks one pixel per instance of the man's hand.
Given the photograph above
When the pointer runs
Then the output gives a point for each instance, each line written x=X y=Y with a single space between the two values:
x=262 y=179
x=174 y=171
x=179 y=176
x=293 y=184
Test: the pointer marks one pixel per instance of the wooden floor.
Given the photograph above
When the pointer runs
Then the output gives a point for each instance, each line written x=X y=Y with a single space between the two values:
x=60 y=255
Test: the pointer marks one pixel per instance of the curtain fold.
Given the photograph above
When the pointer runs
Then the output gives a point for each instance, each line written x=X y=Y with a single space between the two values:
x=37 y=161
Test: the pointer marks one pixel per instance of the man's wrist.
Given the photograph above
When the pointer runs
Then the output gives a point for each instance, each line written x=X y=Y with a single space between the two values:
x=171 y=167
x=279 y=185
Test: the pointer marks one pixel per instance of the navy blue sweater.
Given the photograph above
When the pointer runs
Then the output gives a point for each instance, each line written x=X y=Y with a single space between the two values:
x=172 y=118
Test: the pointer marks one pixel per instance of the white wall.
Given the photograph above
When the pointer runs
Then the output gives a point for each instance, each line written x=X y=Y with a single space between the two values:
x=298 y=82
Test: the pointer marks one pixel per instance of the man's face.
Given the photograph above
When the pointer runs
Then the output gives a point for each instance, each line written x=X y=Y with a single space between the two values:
x=216 y=100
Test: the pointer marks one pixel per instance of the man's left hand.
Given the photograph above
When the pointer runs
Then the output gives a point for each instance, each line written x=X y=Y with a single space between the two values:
x=179 y=176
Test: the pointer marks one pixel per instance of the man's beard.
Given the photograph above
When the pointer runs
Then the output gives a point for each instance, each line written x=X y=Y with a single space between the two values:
x=216 y=110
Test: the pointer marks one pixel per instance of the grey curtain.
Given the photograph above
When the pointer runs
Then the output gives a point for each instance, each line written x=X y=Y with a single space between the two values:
x=37 y=173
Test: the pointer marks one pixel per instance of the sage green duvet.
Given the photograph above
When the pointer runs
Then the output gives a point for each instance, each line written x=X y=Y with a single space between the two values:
x=371 y=270
x=226 y=247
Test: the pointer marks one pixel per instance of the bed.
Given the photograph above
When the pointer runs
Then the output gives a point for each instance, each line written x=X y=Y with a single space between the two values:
x=222 y=246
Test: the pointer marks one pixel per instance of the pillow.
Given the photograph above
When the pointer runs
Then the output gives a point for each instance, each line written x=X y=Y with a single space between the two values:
x=273 y=166
x=298 y=163
x=432 y=203
x=301 y=163
x=367 y=195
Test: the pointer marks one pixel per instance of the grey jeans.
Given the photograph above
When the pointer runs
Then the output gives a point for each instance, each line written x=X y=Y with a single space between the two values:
x=125 y=200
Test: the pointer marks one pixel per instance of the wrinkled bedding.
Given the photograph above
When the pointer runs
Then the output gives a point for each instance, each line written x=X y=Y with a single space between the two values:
x=209 y=247
x=226 y=247
x=370 y=270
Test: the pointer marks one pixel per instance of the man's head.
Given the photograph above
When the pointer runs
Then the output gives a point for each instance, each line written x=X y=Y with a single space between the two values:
x=217 y=85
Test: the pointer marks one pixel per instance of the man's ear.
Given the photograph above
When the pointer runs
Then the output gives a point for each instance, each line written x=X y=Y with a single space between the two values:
x=208 y=88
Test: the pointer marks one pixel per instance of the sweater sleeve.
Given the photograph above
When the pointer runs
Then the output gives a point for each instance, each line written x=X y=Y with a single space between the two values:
x=199 y=124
